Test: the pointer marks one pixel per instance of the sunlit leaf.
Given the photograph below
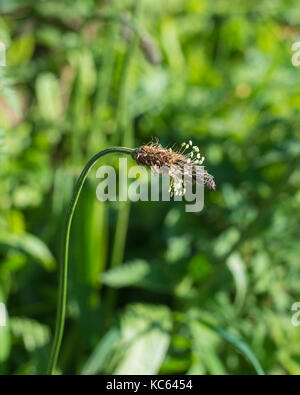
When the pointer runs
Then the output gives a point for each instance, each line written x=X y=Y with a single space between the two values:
x=144 y=328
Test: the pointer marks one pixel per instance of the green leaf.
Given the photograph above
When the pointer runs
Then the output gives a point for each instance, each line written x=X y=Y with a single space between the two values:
x=21 y=49
x=138 y=273
x=33 y=334
x=240 y=345
x=236 y=266
x=205 y=344
x=4 y=331
x=30 y=245
x=127 y=274
x=199 y=267
x=226 y=241
x=145 y=331
x=96 y=361
x=48 y=96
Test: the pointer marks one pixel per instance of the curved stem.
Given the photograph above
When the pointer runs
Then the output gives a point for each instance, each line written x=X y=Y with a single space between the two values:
x=63 y=270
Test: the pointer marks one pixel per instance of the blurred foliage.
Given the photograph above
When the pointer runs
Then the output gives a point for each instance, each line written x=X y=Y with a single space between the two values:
x=197 y=293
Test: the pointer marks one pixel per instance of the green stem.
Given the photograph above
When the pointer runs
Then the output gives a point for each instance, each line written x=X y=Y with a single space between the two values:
x=63 y=270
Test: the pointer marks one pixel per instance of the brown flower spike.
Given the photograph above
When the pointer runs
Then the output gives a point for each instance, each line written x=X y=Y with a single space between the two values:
x=181 y=165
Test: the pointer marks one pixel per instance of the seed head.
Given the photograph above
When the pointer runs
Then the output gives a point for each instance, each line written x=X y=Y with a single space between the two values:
x=181 y=165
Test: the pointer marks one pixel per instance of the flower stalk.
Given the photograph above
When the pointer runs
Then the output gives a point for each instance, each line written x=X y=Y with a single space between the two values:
x=63 y=269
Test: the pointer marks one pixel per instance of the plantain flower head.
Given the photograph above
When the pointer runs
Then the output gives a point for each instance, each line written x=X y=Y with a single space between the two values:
x=182 y=165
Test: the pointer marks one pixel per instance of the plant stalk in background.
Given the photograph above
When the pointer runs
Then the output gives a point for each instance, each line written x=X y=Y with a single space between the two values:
x=126 y=137
x=63 y=270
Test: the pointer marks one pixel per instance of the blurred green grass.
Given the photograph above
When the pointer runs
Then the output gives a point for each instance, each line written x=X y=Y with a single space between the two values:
x=202 y=290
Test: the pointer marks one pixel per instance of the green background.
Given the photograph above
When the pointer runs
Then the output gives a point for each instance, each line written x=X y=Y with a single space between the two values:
x=152 y=289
